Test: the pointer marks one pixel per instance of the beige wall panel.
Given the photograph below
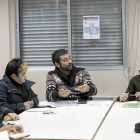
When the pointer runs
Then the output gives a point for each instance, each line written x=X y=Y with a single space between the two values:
x=4 y=36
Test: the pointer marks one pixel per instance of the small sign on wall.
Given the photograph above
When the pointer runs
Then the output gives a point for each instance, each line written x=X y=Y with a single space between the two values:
x=91 y=27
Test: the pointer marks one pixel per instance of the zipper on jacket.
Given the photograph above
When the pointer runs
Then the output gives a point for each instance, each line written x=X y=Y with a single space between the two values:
x=15 y=91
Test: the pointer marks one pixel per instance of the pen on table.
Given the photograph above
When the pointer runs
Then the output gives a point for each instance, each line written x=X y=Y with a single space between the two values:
x=51 y=112
x=9 y=124
x=52 y=107
x=46 y=112
x=60 y=90
x=18 y=129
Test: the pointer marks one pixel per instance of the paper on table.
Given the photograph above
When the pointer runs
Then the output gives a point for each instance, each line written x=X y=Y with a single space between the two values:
x=131 y=105
x=39 y=109
x=18 y=135
x=99 y=103
x=64 y=103
x=44 y=104
x=18 y=122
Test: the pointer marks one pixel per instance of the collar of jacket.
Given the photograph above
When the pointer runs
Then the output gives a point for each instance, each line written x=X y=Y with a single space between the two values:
x=64 y=78
x=28 y=83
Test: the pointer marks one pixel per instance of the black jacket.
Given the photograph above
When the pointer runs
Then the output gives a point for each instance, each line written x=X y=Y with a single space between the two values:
x=12 y=98
x=3 y=112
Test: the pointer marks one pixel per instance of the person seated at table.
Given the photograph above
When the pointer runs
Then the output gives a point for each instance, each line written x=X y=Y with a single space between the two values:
x=15 y=89
x=7 y=114
x=133 y=90
x=68 y=82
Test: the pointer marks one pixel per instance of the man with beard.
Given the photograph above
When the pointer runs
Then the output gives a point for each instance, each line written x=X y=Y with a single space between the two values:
x=68 y=82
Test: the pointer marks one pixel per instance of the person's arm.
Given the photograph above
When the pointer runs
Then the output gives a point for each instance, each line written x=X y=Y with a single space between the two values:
x=1 y=124
x=124 y=97
x=4 y=111
x=33 y=98
x=51 y=89
x=17 y=108
x=7 y=114
x=88 y=87
x=12 y=128
x=11 y=116
x=131 y=89
x=1 y=120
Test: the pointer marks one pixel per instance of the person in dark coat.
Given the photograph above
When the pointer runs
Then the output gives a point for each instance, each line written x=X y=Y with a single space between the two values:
x=7 y=114
x=132 y=92
x=15 y=89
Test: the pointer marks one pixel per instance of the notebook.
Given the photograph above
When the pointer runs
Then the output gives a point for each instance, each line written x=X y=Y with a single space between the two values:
x=39 y=109
x=18 y=135
x=131 y=105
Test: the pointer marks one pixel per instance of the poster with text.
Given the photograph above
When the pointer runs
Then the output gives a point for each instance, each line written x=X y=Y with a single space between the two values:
x=91 y=27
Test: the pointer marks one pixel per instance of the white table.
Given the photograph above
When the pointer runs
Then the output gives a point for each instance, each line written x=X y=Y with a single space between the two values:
x=119 y=124
x=4 y=135
x=71 y=122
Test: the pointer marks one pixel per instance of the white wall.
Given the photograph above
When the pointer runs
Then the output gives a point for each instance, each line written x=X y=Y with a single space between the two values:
x=134 y=36
x=4 y=35
x=108 y=82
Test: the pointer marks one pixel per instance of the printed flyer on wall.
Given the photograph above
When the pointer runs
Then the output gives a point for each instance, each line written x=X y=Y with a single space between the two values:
x=91 y=27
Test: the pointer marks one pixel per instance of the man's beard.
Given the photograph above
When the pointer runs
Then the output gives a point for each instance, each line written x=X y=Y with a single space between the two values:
x=66 y=68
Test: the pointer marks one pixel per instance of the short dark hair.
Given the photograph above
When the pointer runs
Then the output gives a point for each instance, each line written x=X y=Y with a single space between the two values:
x=13 y=66
x=56 y=55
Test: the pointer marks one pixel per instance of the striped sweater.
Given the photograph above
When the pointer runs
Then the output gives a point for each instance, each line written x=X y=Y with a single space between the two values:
x=56 y=80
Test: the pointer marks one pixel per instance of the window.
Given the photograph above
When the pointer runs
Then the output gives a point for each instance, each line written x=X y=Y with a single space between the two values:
x=47 y=25
x=43 y=29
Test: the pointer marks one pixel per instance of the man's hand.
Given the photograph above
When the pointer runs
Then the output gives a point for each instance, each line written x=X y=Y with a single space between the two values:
x=137 y=95
x=11 y=116
x=83 y=88
x=12 y=128
x=124 y=97
x=63 y=93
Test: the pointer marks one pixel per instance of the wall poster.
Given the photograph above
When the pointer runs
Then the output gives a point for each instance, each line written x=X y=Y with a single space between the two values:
x=91 y=27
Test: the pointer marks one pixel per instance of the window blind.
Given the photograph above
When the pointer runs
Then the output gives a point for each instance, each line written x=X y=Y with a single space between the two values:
x=43 y=29
x=106 y=51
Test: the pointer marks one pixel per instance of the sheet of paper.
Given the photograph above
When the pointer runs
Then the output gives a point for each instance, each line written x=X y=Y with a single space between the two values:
x=64 y=103
x=18 y=135
x=44 y=103
x=99 y=103
x=46 y=109
x=131 y=105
